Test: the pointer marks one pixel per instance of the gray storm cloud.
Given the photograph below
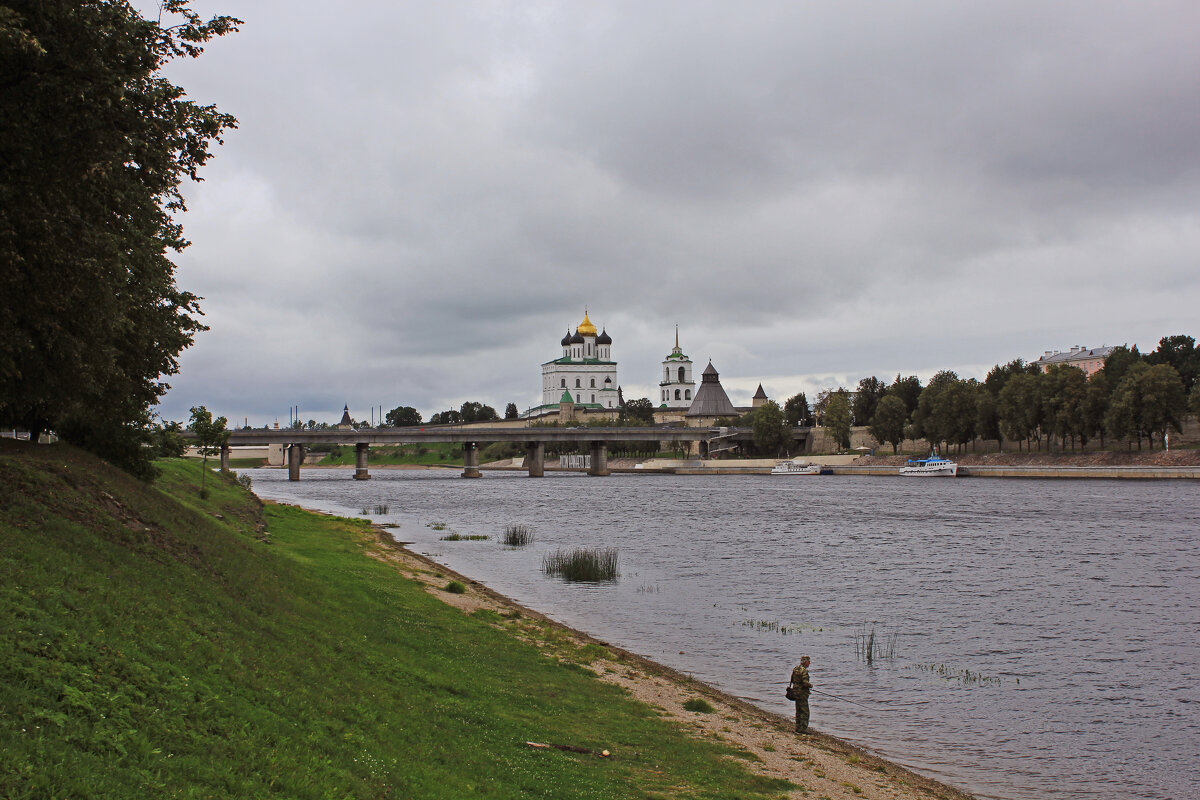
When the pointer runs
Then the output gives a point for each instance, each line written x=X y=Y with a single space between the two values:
x=422 y=197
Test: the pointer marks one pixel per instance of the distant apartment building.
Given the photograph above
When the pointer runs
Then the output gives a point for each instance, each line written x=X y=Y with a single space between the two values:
x=1090 y=360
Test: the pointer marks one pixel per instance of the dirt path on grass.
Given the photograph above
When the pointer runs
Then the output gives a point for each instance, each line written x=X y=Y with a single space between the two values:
x=820 y=766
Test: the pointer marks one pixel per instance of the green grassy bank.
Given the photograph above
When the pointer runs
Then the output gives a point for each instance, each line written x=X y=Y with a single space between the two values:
x=157 y=644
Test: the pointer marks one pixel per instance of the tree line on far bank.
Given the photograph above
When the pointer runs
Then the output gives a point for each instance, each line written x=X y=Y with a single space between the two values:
x=1134 y=397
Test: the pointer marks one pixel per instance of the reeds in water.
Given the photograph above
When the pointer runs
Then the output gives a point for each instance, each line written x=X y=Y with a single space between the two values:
x=459 y=537
x=869 y=645
x=379 y=508
x=518 y=535
x=964 y=676
x=582 y=564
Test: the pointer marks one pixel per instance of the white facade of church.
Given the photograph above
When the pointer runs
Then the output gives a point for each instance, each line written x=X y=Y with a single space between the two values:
x=676 y=389
x=586 y=372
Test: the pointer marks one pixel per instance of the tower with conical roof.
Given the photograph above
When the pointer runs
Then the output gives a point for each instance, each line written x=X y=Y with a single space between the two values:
x=711 y=400
x=760 y=398
x=585 y=371
x=676 y=389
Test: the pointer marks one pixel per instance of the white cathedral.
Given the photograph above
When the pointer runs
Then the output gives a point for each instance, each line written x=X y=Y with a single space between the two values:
x=586 y=374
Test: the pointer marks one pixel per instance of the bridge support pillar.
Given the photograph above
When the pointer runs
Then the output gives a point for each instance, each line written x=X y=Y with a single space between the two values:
x=295 y=454
x=361 y=451
x=535 y=459
x=471 y=460
x=224 y=458
x=599 y=465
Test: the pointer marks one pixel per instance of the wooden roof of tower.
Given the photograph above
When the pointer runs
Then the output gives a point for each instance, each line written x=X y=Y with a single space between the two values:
x=711 y=400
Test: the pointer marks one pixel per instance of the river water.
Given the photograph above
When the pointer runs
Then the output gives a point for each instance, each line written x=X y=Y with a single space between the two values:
x=1041 y=639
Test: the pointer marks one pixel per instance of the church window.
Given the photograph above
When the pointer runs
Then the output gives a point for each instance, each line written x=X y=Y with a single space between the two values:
x=577 y=400
x=676 y=394
x=681 y=374
x=667 y=374
x=564 y=383
x=577 y=383
x=687 y=394
x=593 y=383
x=593 y=398
x=608 y=380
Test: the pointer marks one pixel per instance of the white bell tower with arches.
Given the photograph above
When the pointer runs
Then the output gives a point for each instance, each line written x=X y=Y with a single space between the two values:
x=676 y=387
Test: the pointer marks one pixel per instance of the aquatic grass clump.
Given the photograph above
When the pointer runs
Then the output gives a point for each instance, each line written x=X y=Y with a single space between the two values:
x=583 y=564
x=379 y=508
x=868 y=645
x=518 y=535
x=456 y=587
x=699 y=705
x=963 y=676
x=458 y=537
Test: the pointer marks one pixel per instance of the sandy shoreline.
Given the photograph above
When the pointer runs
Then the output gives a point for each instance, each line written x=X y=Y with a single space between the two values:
x=821 y=766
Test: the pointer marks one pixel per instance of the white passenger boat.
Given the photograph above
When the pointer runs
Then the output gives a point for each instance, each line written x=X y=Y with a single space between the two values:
x=793 y=468
x=933 y=466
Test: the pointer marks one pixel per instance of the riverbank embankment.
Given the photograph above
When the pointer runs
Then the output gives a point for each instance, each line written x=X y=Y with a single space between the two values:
x=183 y=637
x=816 y=764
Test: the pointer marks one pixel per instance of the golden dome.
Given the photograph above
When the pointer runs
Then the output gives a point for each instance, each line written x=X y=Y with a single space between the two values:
x=586 y=328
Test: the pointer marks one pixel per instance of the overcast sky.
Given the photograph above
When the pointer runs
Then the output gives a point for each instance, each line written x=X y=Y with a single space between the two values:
x=421 y=198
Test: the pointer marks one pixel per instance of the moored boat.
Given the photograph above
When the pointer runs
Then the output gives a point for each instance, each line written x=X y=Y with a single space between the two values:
x=794 y=468
x=934 y=467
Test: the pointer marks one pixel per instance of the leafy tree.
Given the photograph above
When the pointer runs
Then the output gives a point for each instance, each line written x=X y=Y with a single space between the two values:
x=448 y=417
x=987 y=416
x=472 y=411
x=958 y=411
x=770 y=435
x=866 y=399
x=1019 y=406
x=94 y=145
x=1181 y=353
x=1194 y=399
x=998 y=375
x=888 y=423
x=1119 y=362
x=1095 y=406
x=822 y=403
x=909 y=390
x=1123 y=418
x=511 y=411
x=796 y=411
x=402 y=417
x=1064 y=392
x=639 y=410
x=928 y=419
x=166 y=440
x=1163 y=401
x=837 y=418
x=211 y=436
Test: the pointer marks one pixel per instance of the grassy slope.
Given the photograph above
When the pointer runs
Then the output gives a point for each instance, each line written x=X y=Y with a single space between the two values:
x=152 y=648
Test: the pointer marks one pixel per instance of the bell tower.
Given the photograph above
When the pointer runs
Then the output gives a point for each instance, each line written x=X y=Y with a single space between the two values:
x=676 y=389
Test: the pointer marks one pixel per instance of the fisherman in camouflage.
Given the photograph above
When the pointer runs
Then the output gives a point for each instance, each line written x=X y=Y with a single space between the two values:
x=800 y=687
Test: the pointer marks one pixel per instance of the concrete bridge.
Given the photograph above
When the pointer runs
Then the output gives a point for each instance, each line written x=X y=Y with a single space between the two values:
x=534 y=438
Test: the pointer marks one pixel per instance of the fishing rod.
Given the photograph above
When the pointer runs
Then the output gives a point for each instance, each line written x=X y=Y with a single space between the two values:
x=855 y=702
